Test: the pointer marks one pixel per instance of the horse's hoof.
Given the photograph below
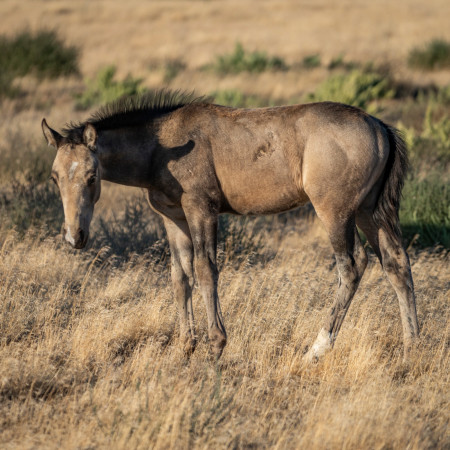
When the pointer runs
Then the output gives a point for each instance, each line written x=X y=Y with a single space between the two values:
x=322 y=345
x=310 y=358
x=189 y=346
x=217 y=343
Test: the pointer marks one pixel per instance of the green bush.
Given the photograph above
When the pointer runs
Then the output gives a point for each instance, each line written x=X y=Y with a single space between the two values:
x=42 y=54
x=340 y=63
x=104 y=89
x=425 y=211
x=242 y=61
x=437 y=131
x=237 y=99
x=311 y=61
x=358 y=88
x=433 y=56
x=443 y=95
x=430 y=147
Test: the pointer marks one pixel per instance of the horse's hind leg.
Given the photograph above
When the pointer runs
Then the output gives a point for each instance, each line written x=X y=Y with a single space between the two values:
x=394 y=259
x=351 y=261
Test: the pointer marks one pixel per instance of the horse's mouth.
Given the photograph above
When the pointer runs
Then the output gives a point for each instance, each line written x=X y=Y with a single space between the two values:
x=80 y=245
x=78 y=241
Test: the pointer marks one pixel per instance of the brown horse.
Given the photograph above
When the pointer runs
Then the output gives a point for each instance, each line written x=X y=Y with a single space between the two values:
x=198 y=160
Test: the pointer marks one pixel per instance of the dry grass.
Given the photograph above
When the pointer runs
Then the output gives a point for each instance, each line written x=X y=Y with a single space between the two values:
x=90 y=358
x=89 y=351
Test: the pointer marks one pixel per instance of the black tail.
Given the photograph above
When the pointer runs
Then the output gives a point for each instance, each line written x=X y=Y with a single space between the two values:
x=386 y=210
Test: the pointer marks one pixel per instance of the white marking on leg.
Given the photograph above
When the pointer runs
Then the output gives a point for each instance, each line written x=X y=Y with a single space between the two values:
x=321 y=345
x=69 y=237
x=72 y=169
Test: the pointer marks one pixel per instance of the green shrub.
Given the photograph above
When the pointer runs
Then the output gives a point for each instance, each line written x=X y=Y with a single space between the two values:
x=430 y=147
x=443 y=95
x=42 y=54
x=358 y=88
x=237 y=99
x=434 y=55
x=242 y=61
x=340 y=63
x=425 y=211
x=104 y=89
x=437 y=131
x=311 y=61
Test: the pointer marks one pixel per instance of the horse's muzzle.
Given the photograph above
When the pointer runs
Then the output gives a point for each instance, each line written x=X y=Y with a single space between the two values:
x=78 y=239
x=81 y=239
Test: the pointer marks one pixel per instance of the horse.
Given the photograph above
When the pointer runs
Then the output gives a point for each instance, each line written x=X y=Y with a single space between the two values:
x=197 y=160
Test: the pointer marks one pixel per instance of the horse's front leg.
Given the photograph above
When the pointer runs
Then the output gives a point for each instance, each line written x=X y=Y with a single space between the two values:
x=182 y=279
x=203 y=228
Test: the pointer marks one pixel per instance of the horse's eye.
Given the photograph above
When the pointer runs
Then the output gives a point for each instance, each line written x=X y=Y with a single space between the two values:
x=92 y=180
x=53 y=179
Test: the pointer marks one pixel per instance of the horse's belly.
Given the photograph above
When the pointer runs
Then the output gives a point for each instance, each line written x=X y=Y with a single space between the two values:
x=269 y=204
x=261 y=193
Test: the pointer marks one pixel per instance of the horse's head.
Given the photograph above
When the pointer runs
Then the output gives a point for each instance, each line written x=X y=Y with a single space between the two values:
x=76 y=173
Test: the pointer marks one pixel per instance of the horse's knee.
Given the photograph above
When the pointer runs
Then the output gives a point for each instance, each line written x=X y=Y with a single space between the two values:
x=348 y=267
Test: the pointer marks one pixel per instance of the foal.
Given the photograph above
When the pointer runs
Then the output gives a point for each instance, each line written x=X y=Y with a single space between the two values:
x=198 y=160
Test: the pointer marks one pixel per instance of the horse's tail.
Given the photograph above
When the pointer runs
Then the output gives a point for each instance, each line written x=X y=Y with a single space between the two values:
x=388 y=204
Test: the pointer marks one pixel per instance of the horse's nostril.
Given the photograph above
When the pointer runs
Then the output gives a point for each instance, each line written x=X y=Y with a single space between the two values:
x=80 y=238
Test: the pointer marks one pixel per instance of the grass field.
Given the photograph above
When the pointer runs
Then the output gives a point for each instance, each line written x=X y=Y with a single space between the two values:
x=89 y=341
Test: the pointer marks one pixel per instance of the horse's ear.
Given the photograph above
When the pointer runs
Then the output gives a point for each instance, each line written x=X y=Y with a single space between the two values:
x=90 y=136
x=53 y=137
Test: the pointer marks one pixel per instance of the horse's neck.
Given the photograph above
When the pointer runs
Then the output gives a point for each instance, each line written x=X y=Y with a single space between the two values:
x=125 y=158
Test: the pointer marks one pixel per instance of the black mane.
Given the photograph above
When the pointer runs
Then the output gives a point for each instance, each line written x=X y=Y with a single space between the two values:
x=132 y=111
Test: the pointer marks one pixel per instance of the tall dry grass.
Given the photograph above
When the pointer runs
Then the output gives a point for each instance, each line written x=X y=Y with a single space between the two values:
x=90 y=358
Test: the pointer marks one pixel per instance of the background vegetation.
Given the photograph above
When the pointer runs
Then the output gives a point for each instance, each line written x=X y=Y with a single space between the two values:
x=104 y=89
x=241 y=60
x=432 y=56
x=42 y=54
x=89 y=351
